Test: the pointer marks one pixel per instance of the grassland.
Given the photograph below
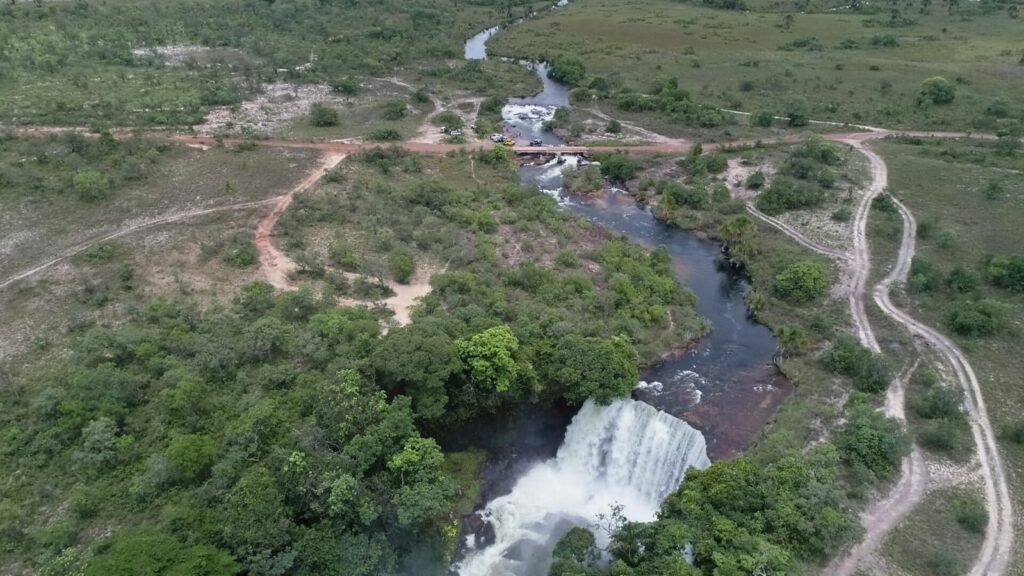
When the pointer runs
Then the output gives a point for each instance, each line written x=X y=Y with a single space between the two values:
x=933 y=540
x=835 y=66
x=186 y=257
x=944 y=184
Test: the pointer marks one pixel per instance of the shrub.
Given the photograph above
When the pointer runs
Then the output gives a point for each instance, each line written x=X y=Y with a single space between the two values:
x=871 y=440
x=346 y=86
x=786 y=194
x=941 y=436
x=884 y=203
x=764 y=119
x=1014 y=432
x=385 y=135
x=323 y=116
x=1007 y=273
x=567 y=70
x=970 y=514
x=613 y=127
x=938 y=402
x=936 y=90
x=843 y=214
x=755 y=181
x=448 y=119
x=848 y=358
x=402 y=265
x=981 y=318
x=393 y=110
x=802 y=282
x=90 y=185
x=192 y=455
x=618 y=167
x=962 y=280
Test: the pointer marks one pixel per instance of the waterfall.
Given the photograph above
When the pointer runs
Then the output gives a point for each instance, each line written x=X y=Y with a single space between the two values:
x=626 y=453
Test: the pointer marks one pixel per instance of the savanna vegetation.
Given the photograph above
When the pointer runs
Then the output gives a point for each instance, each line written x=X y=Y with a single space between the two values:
x=669 y=62
x=166 y=63
x=965 y=197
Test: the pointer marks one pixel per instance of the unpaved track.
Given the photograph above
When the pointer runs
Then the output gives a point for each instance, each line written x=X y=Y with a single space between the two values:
x=274 y=264
x=885 y=514
x=994 y=556
x=797 y=236
x=167 y=219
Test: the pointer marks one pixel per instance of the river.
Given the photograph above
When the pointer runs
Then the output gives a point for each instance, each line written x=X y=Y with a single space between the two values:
x=711 y=399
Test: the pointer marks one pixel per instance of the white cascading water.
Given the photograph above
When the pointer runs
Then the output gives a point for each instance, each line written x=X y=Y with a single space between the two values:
x=627 y=453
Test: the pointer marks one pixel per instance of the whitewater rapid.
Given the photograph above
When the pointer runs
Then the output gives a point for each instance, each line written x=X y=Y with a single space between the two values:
x=627 y=453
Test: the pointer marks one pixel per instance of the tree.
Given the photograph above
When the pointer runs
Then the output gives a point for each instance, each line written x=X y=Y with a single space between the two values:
x=424 y=494
x=618 y=167
x=802 y=282
x=872 y=441
x=417 y=360
x=936 y=90
x=254 y=518
x=568 y=70
x=99 y=444
x=602 y=369
x=402 y=265
x=489 y=356
x=192 y=455
x=323 y=116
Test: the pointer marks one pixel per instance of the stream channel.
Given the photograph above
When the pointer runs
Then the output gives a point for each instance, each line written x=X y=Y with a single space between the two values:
x=709 y=400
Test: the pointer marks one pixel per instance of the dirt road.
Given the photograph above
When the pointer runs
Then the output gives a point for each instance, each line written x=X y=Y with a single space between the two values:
x=274 y=264
x=885 y=514
x=996 y=548
x=166 y=219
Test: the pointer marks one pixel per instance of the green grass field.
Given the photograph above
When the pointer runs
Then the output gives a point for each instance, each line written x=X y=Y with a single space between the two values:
x=840 y=65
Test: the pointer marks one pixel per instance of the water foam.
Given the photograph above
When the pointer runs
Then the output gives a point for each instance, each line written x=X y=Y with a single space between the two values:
x=627 y=453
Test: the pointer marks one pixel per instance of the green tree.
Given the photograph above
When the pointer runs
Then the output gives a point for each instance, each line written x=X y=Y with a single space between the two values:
x=981 y=318
x=602 y=369
x=1007 y=273
x=489 y=356
x=568 y=70
x=803 y=281
x=424 y=494
x=192 y=455
x=936 y=90
x=417 y=360
x=402 y=265
x=871 y=440
x=254 y=519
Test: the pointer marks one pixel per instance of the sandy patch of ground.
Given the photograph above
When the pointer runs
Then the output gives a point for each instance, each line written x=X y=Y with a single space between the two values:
x=275 y=107
x=406 y=295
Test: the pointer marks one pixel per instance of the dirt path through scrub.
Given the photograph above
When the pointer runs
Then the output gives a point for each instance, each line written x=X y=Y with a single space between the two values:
x=274 y=264
x=167 y=219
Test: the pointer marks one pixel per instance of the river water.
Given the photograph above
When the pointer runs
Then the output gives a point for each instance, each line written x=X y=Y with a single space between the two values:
x=709 y=400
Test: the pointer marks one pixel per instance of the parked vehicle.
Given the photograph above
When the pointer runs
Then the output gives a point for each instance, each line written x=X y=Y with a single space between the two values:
x=536 y=142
